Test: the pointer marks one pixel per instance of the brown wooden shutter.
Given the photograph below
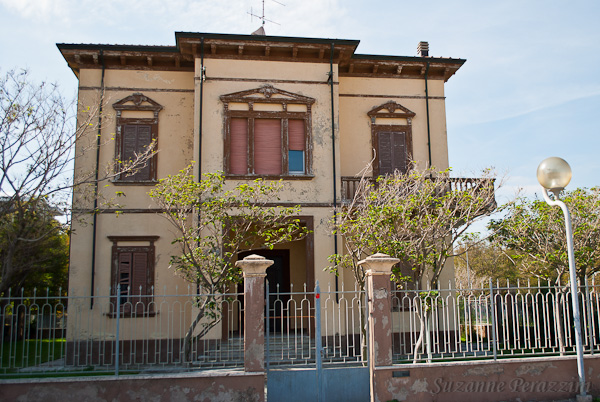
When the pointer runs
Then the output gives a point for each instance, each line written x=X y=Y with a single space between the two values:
x=385 y=153
x=267 y=146
x=392 y=152
x=296 y=138
x=238 y=151
x=144 y=139
x=139 y=289
x=399 y=149
x=124 y=280
x=139 y=272
x=136 y=139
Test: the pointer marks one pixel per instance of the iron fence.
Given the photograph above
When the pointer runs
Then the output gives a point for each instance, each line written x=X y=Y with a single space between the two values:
x=47 y=334
x=492 y=322
x=294 y=326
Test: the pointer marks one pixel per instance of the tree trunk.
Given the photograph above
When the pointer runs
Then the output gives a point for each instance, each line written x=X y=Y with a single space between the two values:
x=359 y=276
x=187 y=341
x=422 y=331
x=363 y=342
x=186 y=349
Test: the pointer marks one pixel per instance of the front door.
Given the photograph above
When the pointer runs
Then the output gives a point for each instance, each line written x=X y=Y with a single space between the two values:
x=278 y=279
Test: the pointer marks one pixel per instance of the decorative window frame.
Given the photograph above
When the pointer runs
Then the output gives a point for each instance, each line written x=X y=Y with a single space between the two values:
x=390 y=110
x=136 y=102
x=267 y=94
x=148 y=300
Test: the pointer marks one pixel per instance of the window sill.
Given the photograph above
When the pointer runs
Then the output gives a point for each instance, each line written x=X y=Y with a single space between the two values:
x=135 y=183
x=266 y=177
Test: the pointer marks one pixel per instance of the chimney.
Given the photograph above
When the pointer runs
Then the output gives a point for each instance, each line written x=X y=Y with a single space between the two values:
x=423 y=49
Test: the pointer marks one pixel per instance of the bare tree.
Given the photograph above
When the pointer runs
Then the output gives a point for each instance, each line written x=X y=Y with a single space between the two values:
x=38 y=132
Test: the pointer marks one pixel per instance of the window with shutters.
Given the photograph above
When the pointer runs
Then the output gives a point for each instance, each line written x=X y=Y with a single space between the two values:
x=136 y=138
x=391 y=149
x=132 y=279
x=268 y=133
x=392 y=142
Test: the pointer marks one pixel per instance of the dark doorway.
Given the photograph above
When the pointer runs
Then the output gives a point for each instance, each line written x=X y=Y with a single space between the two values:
x=278 y=277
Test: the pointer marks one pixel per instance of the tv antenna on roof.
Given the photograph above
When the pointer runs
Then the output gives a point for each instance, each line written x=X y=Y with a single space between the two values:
x=262 y=17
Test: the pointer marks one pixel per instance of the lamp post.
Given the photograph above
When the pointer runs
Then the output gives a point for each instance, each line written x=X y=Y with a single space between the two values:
x=554 y=174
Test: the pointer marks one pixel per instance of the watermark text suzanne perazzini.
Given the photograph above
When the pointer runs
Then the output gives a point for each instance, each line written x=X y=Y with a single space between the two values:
x=515 y=385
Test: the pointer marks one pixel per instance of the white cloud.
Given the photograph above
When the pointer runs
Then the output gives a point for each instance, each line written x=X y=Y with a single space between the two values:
x=38 y=9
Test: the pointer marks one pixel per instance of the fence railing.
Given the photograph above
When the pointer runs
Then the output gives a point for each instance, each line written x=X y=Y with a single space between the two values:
x=492 y=321
x=56 y=334
x=350 y=185
x=291 y=327
x=45 y=334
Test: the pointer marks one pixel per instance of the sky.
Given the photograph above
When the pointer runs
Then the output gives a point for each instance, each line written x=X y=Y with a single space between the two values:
x=530 y=88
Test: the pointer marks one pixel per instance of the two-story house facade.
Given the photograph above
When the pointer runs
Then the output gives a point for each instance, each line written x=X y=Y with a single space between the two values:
x=309 y=111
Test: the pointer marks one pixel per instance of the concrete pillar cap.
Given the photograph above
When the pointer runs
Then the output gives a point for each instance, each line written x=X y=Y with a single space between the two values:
x=254 y=265
x=381 y=263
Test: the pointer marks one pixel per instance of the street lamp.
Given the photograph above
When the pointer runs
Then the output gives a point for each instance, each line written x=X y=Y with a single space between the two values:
x=554 y=174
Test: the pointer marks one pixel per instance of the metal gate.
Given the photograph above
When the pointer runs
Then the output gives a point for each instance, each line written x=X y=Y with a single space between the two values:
x=316 y=346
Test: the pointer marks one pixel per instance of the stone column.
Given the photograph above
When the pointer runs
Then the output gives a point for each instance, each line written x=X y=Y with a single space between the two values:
x=378 y=268
x=254 y=268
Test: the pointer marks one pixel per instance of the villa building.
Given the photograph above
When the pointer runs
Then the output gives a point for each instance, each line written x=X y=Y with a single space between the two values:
x=309 y=111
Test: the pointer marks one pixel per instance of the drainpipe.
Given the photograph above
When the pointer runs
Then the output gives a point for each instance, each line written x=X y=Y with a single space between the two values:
x=96 y=176
x=423 y=51
x=200 y=129
x=427 y=105
x=335 y=236
x=200 y=117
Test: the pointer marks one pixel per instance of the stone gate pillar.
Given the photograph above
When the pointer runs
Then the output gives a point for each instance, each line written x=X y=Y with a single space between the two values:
x=254 y=268
x=378 y=268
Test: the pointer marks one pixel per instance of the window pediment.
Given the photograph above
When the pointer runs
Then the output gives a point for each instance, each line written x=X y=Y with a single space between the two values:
x=138 y=102
x=266 y=94
x=391 y=109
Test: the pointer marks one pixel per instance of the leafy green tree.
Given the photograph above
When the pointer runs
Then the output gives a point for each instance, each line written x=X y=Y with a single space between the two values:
x=478 y=260
x=536 y=232
x=417 y=217
x=213 y=222
x=34 y=249
x=34 y=258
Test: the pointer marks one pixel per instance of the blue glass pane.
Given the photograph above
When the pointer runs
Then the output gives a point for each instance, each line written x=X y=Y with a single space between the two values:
x=296 y=161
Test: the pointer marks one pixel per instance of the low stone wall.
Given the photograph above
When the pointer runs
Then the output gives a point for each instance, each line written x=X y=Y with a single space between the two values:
x=206 y=386
x=532 y=379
